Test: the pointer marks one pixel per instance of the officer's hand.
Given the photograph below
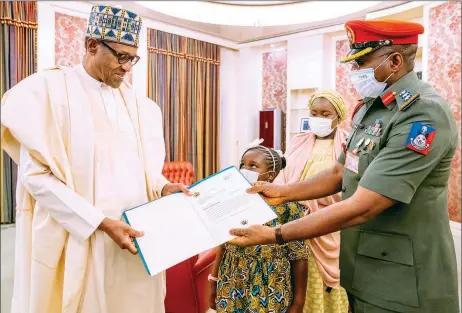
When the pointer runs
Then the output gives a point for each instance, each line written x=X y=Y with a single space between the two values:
x=274 y=194
x=253 y=235
x=121 y=233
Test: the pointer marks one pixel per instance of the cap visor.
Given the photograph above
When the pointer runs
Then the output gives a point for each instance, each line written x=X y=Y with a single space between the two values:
x=356 y=53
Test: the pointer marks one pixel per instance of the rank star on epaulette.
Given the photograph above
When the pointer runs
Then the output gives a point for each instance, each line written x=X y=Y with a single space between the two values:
x=420 y=138
x=406 y=98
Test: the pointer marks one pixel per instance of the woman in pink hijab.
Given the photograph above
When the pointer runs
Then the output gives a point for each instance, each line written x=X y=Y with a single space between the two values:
x=311 y=153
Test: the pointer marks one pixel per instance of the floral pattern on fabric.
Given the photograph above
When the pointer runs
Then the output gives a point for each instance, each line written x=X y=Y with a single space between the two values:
x=274 y=86
x=444 y=74
x=258 y=279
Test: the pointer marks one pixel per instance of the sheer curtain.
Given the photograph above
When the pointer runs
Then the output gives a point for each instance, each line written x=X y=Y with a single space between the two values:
x=183 y=79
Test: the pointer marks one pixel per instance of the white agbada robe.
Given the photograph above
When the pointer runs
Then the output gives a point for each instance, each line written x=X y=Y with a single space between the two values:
x=104 y=155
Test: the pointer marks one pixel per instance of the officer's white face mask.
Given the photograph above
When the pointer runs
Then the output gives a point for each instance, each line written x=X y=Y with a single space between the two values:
x=321 y=126
x=365 y=83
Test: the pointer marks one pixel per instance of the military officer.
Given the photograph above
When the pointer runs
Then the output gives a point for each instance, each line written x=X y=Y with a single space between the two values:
x=397 y=253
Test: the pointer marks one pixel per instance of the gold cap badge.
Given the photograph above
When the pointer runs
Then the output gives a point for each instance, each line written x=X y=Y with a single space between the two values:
x=350 y=34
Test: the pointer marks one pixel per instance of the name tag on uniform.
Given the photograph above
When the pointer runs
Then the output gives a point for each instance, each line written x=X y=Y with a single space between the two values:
x=351 y=162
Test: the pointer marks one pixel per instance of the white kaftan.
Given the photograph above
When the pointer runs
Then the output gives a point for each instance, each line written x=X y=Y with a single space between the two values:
x=111 y=158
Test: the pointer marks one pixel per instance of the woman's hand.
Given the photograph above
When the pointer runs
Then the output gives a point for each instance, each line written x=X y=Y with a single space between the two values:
x=213 y=294
x=274 y=194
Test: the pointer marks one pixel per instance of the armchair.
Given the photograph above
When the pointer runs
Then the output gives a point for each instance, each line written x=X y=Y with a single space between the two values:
x=179 y=172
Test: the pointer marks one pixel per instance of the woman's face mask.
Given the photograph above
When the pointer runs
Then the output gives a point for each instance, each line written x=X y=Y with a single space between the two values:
x=321 y=126
x=365 y=83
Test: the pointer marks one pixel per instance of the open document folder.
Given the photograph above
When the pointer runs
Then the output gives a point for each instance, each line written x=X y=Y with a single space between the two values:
x=177 y=227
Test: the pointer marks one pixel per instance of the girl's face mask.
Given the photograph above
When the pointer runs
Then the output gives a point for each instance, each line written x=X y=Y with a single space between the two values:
x=252 y=176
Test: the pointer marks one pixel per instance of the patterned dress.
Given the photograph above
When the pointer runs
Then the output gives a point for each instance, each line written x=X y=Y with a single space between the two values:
x=258 y=279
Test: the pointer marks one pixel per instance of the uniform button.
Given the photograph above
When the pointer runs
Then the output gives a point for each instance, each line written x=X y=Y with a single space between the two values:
x=361 y=126
x=384 y=253
x=343 y=189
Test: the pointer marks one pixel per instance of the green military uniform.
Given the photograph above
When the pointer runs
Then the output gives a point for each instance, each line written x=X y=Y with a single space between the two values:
x=401 y=146
x=404 y=259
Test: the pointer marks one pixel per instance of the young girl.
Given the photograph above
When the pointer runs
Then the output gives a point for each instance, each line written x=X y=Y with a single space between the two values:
x=264 y=278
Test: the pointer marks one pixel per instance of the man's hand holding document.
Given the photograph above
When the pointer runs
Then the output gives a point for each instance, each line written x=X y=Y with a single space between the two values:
x=178 y=226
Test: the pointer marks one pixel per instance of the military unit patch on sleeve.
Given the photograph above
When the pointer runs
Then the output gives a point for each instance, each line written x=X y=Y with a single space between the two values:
x=420 y=138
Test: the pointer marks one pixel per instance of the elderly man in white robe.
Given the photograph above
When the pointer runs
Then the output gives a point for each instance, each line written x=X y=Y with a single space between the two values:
x=87 y=148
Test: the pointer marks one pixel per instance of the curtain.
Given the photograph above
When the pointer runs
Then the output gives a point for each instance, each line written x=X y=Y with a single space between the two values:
x=183 y=79
x=18 y=59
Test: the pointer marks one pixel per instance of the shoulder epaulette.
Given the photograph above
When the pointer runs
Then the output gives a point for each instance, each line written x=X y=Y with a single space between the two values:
x=406 y=98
